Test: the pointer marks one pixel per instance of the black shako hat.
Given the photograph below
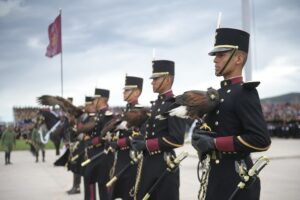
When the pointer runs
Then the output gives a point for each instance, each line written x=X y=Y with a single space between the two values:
x=101 y=93
x=227 y=39
x=88 y=99
x=162 y=68
x=132 y=82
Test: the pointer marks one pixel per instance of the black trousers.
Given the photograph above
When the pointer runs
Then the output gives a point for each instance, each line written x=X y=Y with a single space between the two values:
x=153 y=167
x=126 y=181
x=223 y=180
x=7 y=157
x=97 y=171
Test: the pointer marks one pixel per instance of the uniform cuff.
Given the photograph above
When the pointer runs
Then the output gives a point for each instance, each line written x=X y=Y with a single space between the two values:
x=152 y=145
x=95 y=141
x=225 y=144
x=122 y=142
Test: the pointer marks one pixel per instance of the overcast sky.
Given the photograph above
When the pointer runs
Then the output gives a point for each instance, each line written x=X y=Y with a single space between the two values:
x=105 y=39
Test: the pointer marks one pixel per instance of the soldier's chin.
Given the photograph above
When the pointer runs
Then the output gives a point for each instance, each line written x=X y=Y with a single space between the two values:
x=154 y=90
x=217 y=73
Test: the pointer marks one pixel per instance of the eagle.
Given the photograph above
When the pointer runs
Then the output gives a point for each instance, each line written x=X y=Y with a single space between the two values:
x=134 y=118
x=66 y=105
x=195 y=103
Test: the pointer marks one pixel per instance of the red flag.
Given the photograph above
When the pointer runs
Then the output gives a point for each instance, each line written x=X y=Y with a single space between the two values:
x=54 y=33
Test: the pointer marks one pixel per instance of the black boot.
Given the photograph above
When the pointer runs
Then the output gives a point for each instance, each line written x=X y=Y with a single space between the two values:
x=37 y=157
x=43 y=153
x=74 y=190
x=76 y=184
x=8 y=158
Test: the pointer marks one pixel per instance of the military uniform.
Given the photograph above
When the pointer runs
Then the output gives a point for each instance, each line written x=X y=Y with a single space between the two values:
x=239 y=126
x=78 y=148
x=8 y=139
x=98 y=169
x=37 y=143
x=162 y=135
x=124 y=186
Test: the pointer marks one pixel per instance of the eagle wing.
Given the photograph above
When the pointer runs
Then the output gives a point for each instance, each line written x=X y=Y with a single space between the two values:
x=198 y=102
x=112 y=124
x=136 y=117
x=63 y=103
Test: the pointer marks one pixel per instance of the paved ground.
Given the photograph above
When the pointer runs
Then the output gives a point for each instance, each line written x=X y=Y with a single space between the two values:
x=26 y=179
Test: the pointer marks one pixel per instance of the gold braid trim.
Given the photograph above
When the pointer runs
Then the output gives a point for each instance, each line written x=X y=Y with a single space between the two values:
x=134 y=190
x=240 y=139
x=171 y=143
x=113 y=169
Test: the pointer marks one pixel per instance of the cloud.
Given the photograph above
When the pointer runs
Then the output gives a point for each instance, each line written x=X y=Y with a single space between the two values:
x=278 y=77
x=7 y=6
x=103 y=40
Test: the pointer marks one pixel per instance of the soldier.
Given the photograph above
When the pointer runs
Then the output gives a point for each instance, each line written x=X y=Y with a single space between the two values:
x=83 y=130
x=132 y=91
x=237 y=122
x=36 y=138
x=8 y=140
x=161 y=136
x=98 y=169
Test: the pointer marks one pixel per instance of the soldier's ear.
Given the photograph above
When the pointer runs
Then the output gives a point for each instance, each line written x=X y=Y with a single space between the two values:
x=241 y=58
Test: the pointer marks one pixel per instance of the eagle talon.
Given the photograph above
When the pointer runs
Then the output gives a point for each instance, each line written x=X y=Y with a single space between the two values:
x=205 y=127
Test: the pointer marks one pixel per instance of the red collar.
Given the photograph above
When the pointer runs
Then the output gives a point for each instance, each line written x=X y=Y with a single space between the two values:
x=232 y=81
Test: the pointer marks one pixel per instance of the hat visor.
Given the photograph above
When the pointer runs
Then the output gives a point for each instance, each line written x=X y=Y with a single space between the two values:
x=130 y=87
x=219 y=49
x=155 y=76
x=160 y=74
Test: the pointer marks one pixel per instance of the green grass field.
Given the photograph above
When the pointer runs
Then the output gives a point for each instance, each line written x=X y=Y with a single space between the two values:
x=21 y=145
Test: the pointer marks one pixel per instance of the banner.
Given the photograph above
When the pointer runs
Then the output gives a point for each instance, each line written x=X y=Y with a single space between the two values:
x=54 y=33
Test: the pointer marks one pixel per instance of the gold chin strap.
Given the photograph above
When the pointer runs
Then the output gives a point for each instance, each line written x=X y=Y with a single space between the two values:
x=131 y=92
x=162 y=83
x=229 y=59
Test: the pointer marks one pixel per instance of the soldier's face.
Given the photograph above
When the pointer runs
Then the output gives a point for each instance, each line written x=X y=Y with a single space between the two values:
x=233 y=68
x=220 y=61
x=131 y=95
x=127 y=94
x=160 y=84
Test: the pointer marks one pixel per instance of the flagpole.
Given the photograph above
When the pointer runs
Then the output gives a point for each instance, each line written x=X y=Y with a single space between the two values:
x=61 y=57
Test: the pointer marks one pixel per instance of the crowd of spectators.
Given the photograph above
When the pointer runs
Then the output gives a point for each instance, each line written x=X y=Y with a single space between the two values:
x=283 y=120
x=24 y=120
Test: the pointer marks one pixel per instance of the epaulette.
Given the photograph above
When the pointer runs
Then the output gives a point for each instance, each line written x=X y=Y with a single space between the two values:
x=251 y=84
x=108 y=113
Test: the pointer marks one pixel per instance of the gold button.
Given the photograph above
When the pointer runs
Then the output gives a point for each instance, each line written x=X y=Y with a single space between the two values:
x=225 y=83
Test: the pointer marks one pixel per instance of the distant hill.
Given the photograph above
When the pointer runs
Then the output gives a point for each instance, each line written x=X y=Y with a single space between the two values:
x=285 y=98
